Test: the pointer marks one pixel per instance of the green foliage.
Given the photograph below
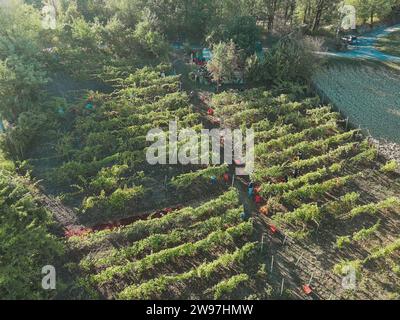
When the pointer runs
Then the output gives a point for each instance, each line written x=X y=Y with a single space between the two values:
x=344 y=267
x=368 y=10
x=187 y=180
x=244 y=32
x=301 y=157
x=20 y=139
x=224 y=62
x=108 y=178
x=159 y=241
x=290 y=60
x=211 y=242
x=364 y=233
x=389 y=167
x=22 y=72
x=226 y=287
x=306 y=213
x=103 y=156
x=144 y=228
x=118 y=200
x=343 y=241
x=385 y=251
x=374 y=208
x=150 y=38
x=157 y=286
x=25 y=242
x=255 y=70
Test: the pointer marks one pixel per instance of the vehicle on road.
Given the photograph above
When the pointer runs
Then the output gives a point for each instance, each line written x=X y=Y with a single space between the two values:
x=350 y=39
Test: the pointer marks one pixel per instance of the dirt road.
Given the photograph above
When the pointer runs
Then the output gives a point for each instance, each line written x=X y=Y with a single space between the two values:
x=365 y=48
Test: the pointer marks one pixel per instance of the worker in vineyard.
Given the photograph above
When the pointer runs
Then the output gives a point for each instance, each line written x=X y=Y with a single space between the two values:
x=250 y=189
x=258 y=199
x=245 y=214
x=300 y=155
x=61 y=111
x=264 y=210
x=89 y=104
x=226 y=177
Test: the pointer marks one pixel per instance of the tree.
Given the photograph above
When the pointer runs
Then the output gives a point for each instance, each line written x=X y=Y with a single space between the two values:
x=224 y=62
x=148 y=35
x=243 y=30
x=314 y=12
x=26 y=245
x=255 y=71
x=289 y=61
x=21 y=67
x=271 y=9
x=369 y=9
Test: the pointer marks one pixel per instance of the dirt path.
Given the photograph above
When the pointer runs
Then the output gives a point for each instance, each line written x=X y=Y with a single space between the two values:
x=65 y=216
x=365 y=48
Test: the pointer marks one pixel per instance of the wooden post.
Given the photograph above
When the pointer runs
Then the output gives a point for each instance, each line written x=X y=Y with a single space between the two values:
x=347 y=122
x=233 y=180
x=377 y=148
x=298 y=260
x=282 y=283
x=262 y=242
x=272 y=264
x=312 y=275
x=165 y=182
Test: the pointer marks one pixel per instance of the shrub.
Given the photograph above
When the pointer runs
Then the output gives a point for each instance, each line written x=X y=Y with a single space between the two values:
x=227 y=286
x=343 y=241
x=121 y=199
x=389 y=167
x=19 y=140
x=26 y=244
x=290 y=60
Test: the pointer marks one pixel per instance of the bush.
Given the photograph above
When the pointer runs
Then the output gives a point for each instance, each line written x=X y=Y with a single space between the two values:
x=390 y=167
x=26 y=244
x=243 y=30
x=18 y=140
x=121 y=200
x=343 y=241
x=290 y=60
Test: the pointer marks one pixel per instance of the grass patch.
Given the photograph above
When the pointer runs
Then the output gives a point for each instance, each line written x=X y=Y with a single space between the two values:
x=365 y=91
x=389 y=44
